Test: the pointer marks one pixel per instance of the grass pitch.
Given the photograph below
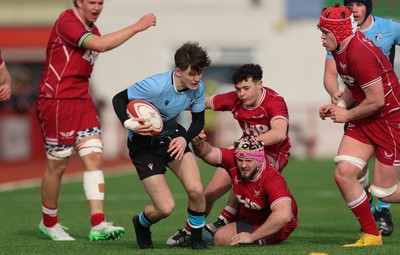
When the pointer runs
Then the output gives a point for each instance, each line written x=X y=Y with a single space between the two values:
x=325 y=222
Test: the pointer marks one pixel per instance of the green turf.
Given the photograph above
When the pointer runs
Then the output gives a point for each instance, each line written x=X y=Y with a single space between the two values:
x=325 y=222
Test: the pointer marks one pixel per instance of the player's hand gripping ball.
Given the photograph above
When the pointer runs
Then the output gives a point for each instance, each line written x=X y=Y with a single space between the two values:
x=141 y=109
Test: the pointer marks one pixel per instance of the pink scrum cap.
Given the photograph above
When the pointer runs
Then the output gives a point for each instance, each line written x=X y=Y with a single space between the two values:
x=248 y=147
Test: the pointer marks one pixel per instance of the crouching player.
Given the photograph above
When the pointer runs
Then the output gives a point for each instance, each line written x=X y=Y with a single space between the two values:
x=268 y=211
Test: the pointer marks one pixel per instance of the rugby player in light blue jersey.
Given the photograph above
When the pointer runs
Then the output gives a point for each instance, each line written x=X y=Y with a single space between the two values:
x=385 y=34
x=171 y=92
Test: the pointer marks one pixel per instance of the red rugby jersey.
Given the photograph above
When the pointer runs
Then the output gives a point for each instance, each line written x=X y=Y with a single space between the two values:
x=68 y=64
x=360 y=72
x=256 y=196
x=257 y=120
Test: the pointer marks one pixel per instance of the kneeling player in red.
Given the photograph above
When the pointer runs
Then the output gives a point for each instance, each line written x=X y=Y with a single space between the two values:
x=268 y=211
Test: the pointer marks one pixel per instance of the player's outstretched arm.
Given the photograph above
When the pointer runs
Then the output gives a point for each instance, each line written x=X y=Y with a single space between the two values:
x=204 y=150
x=112 y=40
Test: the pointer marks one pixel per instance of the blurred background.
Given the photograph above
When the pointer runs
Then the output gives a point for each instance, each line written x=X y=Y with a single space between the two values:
x=280 y=35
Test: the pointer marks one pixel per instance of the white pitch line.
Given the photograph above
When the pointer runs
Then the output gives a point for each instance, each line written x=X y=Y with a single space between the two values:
x=68 y=178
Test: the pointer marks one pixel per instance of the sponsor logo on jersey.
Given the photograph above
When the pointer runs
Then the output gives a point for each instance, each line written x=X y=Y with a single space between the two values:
x=248 y=203
x=166 y=102
x=91 y=56
x=367 y=41
x=351 y=125
x=256 y=193
x=348 y=80
x=378 y=37
x=258 y=117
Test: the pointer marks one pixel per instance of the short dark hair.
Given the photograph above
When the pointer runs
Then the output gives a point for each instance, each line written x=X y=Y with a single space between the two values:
x=367 y=3
x=247 y=71
x=190 y=54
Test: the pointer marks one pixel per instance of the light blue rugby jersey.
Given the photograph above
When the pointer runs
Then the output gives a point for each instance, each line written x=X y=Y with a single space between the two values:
x=160 y=91
x=384 y=33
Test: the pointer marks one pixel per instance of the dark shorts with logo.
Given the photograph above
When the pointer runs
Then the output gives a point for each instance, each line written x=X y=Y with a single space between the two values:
x=149 y=154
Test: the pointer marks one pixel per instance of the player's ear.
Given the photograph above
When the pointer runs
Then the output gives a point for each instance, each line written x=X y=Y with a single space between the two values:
x=259 y=83
x=78 y=3
x=177 y=72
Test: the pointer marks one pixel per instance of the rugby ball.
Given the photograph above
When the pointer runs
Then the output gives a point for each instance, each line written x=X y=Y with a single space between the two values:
x=142 y=109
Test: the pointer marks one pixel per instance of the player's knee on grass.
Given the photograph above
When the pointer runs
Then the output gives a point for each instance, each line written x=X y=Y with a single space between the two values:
x=221 y=238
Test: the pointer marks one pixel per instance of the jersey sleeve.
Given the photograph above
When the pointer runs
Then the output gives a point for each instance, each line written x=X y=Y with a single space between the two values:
x=278 y=109
x=71 y=30
x=275 y=187
x=396 y=32
x=223 y=102
x=329 y=55
x=226 y=159
x=366 y=70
